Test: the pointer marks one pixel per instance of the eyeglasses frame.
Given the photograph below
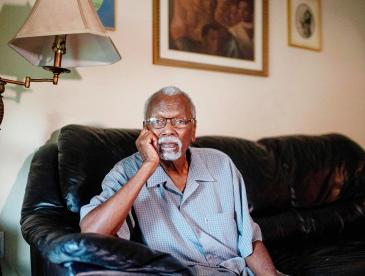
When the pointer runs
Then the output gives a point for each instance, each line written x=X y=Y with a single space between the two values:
x=147 y=122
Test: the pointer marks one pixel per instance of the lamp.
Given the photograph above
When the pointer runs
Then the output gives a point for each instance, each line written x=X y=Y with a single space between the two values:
x=61 y=32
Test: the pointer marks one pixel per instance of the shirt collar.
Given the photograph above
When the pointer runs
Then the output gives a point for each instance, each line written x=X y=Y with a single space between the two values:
x=198 y=171
x=158 y=177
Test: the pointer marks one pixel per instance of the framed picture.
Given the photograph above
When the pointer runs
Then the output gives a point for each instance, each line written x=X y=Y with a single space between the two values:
x=106 y=12
x=304 y=22
x=228 y=36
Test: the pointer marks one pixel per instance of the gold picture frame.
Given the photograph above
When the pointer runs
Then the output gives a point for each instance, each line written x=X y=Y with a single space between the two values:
x=241 y=60
x=305 y=24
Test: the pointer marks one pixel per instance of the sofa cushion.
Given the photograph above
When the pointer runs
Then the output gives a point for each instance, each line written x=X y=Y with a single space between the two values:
x=319 y=169
x=297 y=170
x=86 y=155
x=316 y=257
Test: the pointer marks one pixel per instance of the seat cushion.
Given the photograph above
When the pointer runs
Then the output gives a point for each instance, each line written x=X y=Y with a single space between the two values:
x=317 y=258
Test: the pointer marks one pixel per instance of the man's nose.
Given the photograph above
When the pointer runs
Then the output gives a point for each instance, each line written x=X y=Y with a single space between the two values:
x=168 y=129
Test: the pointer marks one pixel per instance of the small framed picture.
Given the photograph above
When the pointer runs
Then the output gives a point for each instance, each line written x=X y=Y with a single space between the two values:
x=304 y=24
x=227 y=36
x=106 y=12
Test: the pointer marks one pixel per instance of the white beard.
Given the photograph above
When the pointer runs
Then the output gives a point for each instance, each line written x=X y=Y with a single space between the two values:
x=166 y=152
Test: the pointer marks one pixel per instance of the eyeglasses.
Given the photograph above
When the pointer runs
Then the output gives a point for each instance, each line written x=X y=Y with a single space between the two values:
x=158 y=123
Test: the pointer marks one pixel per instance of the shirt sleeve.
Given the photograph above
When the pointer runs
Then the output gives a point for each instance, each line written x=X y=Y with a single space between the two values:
x=248 y=230
x=112 y=182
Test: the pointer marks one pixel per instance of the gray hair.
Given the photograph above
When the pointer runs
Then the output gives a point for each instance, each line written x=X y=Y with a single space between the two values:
x=169 y=91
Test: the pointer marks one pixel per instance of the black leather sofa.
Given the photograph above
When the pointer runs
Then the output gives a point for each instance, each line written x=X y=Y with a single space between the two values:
x=306 y=192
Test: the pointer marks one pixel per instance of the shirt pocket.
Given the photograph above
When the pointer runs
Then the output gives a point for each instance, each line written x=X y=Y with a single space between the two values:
x=221 y=226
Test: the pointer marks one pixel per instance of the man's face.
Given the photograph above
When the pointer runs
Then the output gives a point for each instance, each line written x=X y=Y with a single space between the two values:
x=212 y=41
x=173 y=141
x=243 y=11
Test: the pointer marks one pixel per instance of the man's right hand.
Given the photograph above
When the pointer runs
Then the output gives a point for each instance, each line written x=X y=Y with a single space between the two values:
x=147 y=147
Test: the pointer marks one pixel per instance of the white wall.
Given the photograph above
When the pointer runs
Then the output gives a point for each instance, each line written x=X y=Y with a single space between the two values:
x=306 y=92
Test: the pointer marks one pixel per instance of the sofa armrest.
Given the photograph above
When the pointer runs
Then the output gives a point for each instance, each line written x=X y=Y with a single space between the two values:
x=42 y=227
x=55 y=235
x=111 y=253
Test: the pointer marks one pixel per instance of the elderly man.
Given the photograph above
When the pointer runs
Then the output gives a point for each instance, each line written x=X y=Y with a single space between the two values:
x=189 y=202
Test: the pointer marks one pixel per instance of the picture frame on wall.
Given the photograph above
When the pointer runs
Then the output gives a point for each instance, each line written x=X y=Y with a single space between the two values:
x=305 y=24
x=225 y=36
x=106 y=11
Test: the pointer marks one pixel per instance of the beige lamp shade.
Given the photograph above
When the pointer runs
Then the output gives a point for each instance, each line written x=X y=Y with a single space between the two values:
x=87 y=43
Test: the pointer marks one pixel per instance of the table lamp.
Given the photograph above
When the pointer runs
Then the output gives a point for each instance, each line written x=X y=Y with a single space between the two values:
x=59 y=34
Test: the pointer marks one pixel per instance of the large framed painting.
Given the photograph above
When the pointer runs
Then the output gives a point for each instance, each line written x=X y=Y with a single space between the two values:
x=220 y=35
x=304 y=24
x=106 y=12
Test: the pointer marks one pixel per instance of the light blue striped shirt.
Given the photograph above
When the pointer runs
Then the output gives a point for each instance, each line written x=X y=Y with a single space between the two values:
x=209 y=223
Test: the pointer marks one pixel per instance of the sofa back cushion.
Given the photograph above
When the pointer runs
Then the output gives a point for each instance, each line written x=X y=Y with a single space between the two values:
x=318 y=169
x=280 y=173
x=86 y=155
